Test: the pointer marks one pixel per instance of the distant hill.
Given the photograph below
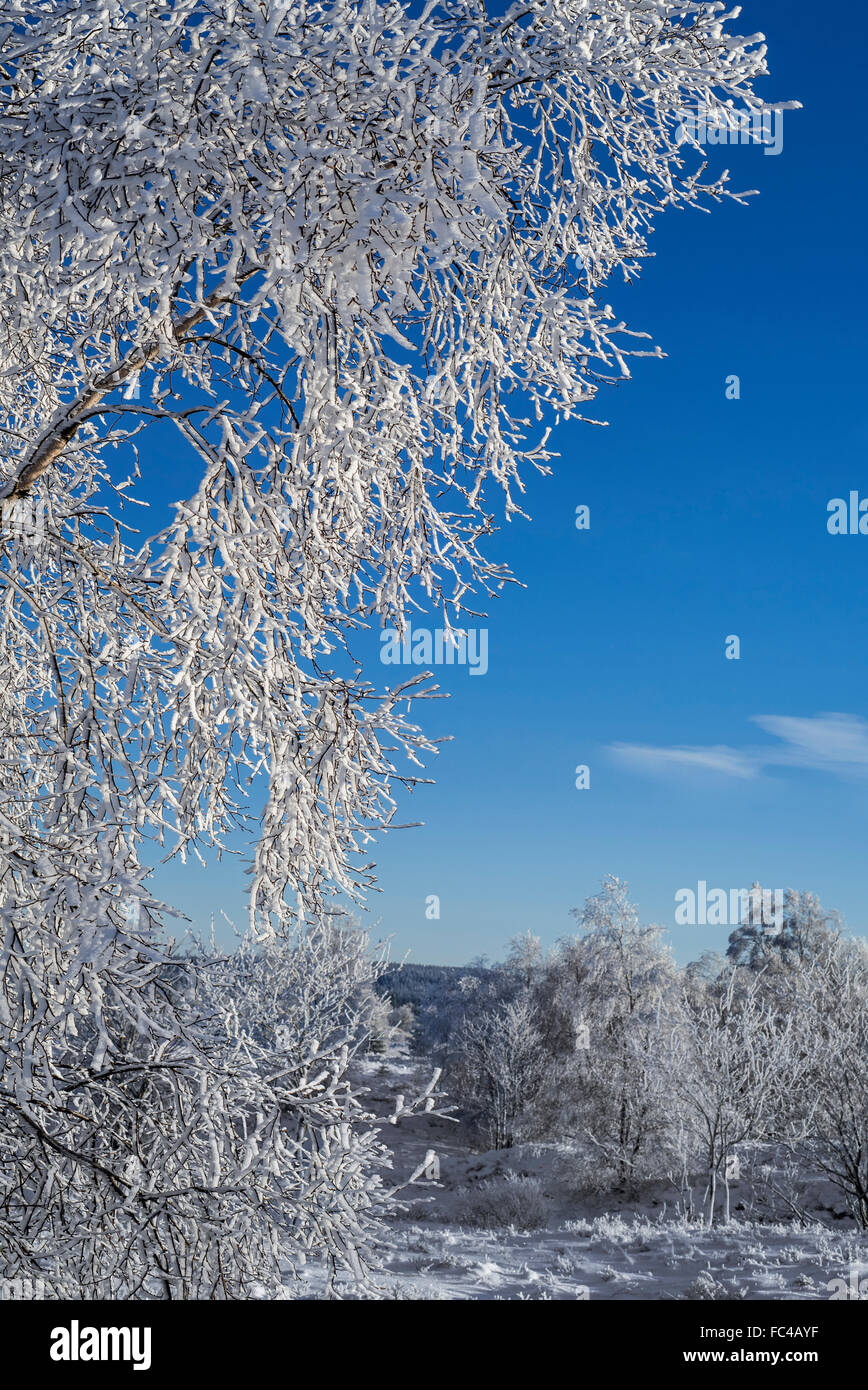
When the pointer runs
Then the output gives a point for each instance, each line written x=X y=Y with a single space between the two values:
x=438 y=996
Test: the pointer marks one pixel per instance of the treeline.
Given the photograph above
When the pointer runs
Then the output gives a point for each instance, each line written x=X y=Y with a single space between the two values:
x=666 y=1072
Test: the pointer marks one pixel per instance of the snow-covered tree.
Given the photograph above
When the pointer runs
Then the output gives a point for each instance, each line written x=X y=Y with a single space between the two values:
x=340 y=249
x=620 y=980
x=499 y=1064
x=829 y=1005
x=807 y=930
x=524 y=958
x=732 y=1059
x=202 y=1131
x=351 y=255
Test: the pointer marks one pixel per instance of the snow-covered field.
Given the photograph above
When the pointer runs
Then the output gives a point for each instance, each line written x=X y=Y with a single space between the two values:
x=455 y=1239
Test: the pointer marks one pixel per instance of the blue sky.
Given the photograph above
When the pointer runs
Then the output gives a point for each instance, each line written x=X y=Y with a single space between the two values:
x=708 y=518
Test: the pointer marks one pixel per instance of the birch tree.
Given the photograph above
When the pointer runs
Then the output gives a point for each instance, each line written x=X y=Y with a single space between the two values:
x=732 y=1060
x=628 y=982
x=499 y=1067
x=829 y=1000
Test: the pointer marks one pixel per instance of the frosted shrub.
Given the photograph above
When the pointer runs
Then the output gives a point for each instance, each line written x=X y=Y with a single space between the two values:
x=512 y=1200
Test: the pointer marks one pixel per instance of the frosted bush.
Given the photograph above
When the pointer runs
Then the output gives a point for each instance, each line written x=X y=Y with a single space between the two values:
x=513 y=1200
x=705 y=1286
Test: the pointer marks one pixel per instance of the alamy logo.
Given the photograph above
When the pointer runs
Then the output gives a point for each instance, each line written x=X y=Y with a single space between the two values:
x=717 y=127
x=443 y=646
x=854 y=1288
x=76 y=1343
x=733 y=907
x=847 y=516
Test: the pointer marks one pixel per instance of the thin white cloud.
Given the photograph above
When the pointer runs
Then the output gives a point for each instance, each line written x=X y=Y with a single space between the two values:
x=728 y=761
x=836 y=743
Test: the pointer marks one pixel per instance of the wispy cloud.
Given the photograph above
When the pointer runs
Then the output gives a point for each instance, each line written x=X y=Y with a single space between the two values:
x=836 y=743
x=728 y=761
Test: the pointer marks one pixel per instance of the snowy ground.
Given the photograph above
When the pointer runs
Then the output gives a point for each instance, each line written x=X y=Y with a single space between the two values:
x=583 y=1247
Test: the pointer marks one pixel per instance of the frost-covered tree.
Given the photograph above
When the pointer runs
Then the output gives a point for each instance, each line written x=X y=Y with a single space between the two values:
x=218 y=1149
x=829 y=1005
x=524 y=958
x=621 y=980
x=351 y=254
x=499 y=1064
x=807 y=930
x=299 y=1011
x=732 y=1060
